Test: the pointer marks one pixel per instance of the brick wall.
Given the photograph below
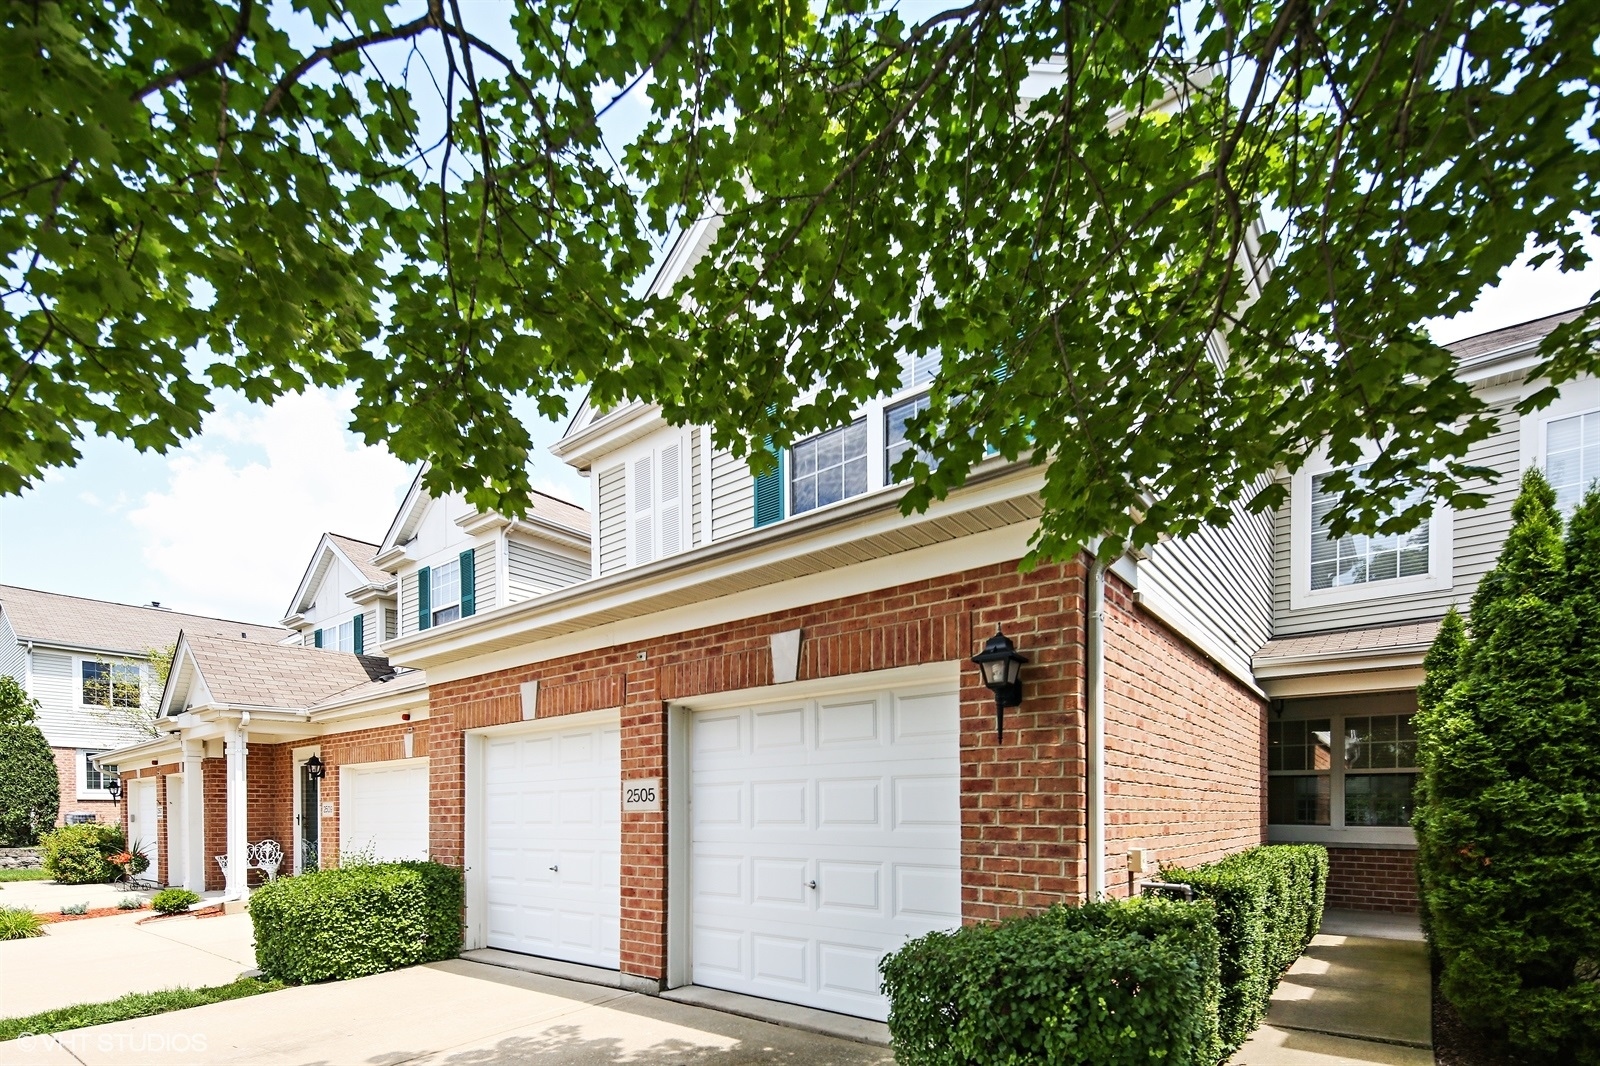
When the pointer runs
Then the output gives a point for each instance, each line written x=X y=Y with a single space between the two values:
x=1022 y=800
x=1372 y=879
x=269 y=799
x=1185 y=747
x=67 y=779
x=214 y=785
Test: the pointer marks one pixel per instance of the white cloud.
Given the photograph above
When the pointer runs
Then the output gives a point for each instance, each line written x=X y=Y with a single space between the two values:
x=1524 y=293
x=244 y=505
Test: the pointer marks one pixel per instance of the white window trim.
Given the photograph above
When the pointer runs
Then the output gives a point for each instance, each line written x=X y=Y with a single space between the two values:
x=82 y=756
x=110 y=660
x=875 y=412
x=1578 y=397
x=435 y=607
x=1441 y=548
x=1337 y=834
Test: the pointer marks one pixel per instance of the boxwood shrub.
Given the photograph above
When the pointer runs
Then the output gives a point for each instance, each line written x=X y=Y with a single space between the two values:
x=81 y=854
x=357 y=920
x=1268 y=905
x=1105 y=984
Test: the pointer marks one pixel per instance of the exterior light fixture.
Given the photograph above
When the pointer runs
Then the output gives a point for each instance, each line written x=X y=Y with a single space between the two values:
x=1002 y=672
x=114 y=786
x=314 y=768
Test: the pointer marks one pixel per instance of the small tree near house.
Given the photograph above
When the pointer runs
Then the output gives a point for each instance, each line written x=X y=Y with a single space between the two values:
x=1508 y=812
x=30 y=794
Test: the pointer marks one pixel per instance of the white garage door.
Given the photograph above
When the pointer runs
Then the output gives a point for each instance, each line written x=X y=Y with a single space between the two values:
x=384 y=811
x=825 y=832
x=553 y=842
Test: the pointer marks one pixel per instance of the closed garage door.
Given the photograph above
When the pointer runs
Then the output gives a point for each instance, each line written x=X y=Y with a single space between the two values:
x=384 y=811
x=553 y=842
x=825 y=833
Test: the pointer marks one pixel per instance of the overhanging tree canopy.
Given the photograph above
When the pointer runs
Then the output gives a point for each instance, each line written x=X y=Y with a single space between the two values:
x=1081 y=198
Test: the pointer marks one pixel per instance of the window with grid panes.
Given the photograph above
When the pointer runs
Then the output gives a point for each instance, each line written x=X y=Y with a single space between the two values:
x=1366 y=762
x=829 y=467
x=1359 y=558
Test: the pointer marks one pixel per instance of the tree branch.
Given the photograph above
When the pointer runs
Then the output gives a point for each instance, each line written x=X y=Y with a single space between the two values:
x=222 y=58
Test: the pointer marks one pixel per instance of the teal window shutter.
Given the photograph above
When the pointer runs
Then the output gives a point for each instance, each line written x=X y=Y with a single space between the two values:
x=469 y=583
x=361 y=641
x=769 y=492
x=316 y=639
x=424 y=594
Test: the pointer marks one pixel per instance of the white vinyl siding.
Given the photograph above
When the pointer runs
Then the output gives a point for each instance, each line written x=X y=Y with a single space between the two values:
x=1221 y=579
x=695 y=488
x=732 y=496
x=13 y=656
x=613 y=508
x=390 y=620
x=484 y=593
x=1477 y=539
x=533 y=570
x=65 y=722
x=371 y=635
x=408 y=603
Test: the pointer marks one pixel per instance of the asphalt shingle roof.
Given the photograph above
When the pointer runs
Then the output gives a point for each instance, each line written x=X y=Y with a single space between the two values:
x=75 y=621
x=1351 y=641
x=361 y=553
x=278 y=675
x=559 y=511
x=1469 y=349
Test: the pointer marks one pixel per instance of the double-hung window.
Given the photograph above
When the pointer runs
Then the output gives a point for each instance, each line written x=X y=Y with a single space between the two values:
x=112 y=685
x=1572 y=457
x=829 y=467
x=1342 y=771
x=92 y=778
x=444 y=592
x=341 y=637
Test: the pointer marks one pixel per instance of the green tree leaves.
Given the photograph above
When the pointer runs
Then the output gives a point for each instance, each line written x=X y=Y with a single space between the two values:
x=1200 y=240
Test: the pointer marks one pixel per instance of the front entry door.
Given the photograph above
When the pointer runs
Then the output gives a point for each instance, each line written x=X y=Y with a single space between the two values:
x=308 y=855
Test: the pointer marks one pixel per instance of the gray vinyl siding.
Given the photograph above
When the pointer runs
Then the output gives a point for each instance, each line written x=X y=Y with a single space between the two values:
x=613 y=486
x=369 y=630
x=1478 y=538
x=484 y=593
x=408 y=603
x=533 y=570
x=732 y=496
x=390 y=618
x=13 y=656
x=694 y=487
x=62 y=718
x=1222 y=578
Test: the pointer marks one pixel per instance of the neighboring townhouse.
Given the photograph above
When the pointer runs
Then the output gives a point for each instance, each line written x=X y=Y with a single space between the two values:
x=1352 y=618
x=731 y=732
x=87 y=662
x=318 y=745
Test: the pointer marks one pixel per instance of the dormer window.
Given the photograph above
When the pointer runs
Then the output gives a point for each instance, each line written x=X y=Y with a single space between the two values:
x=346 y=636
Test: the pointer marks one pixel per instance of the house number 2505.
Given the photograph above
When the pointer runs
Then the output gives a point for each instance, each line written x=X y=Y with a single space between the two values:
x=642 y=795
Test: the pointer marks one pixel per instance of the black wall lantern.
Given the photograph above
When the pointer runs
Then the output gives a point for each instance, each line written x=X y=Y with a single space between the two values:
x=114 y=786
x=314 y=768
x=1002 y=672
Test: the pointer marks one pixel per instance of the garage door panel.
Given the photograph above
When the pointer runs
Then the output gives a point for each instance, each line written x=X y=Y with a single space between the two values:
x=384 y=811
x=824 y=834
x=565 y=887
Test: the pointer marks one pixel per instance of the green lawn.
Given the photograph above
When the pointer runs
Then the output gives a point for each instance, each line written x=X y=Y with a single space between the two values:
x=23 y=875
x=133 y=1005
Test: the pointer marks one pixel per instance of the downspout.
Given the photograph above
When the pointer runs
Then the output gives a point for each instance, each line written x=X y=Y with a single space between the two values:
x=1094 y=712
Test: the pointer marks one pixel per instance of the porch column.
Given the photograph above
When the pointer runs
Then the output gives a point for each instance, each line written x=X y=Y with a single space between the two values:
x=238 y=739
x=193 y=833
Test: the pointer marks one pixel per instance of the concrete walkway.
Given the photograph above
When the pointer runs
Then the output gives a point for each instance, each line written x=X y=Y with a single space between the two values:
x=455 y=1013
x=1359 y=996
x=47 y=897
x=97 y=959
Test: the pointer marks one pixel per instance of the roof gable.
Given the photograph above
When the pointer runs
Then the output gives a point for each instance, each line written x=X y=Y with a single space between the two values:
x=331 y=551
x=238 y=673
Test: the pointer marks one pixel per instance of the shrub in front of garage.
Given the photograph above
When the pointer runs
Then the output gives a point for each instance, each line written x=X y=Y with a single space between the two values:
x=81 y=854
x=1268 y=907
x=1104 y=984
x=330 y=925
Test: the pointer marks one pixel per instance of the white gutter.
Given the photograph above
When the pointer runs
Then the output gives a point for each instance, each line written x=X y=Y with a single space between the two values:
x=1094 y=712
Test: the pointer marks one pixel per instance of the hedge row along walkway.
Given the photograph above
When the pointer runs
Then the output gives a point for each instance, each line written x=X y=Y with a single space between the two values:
x=1359 y=996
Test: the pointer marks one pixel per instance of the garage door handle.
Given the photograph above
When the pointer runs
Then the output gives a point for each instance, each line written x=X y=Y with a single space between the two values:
x=554 y=869
x=811 y=884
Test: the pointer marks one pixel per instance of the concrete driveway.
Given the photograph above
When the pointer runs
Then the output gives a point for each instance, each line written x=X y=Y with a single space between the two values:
x=97 y=959
x=454 y=1013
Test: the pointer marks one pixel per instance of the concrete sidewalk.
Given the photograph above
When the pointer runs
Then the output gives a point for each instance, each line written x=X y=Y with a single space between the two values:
x=1361 y=995
x=97 y=959
x=47 y=897
x=455 y=1012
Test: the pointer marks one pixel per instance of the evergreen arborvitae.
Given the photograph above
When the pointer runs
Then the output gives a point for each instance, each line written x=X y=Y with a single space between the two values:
x=30 y=793
x=1442 y=666
x=1509 y=816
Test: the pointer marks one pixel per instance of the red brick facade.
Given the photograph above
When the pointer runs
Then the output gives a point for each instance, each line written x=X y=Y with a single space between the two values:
x=67 y=780
x=1372 y=879
x=1184 y=739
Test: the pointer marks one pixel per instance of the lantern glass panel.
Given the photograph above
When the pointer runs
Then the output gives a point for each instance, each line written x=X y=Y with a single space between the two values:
x=994 y=672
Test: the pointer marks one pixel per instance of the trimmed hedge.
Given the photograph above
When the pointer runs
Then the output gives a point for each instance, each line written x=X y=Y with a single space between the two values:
x=173 y=900
x=357 y=920
x=1104 y=984
x=1269 y=905
x=81 y=854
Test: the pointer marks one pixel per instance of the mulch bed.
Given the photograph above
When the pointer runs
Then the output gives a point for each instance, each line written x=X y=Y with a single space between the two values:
x=94 y=912
x=1455 y=1043
x=203 y=912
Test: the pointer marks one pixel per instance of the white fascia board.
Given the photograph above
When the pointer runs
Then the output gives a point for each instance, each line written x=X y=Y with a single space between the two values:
x=372 y=593
x=315 y=570
x=821 y=530
x=545 y=529
x=144 y=749
x=1350 y=683
x=475 y=523
x=406 y=695
x=390 y=542
x=612 y=430
x=84 y=650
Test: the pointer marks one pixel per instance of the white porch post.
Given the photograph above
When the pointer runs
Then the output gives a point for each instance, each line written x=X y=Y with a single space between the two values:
x=194 y=816
x=238 y=813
